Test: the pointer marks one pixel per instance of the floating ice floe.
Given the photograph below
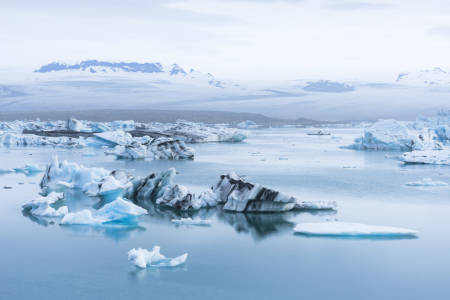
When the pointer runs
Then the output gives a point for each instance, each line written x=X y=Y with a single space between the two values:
x=350 y=229
x=167 y=148
x=189 y=221
x=316 y=205
x=336 y=137
x=178 y=197
x=6 y=170
x=391 y=156
x=118 y=183
x=134 y=150
x=247 y=124
x=239 y=195
x=88 y=154
x=393 y=135
x=154 y=185
x=426 y=182
x=41 y=206
x=118 y=212
x=71 y=173
x=142 y=258
x=426 y=157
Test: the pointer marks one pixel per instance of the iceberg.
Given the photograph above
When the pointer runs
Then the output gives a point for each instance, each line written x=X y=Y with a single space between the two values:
x=426 y=157
x=73 y=124
x=207 y=198
x=189 y=221
x=142 y=258
x=393 y=135
x=168 y=148
x=178 y=197
x=118 y=212
x=442 y=118
x=6 y=170
x=350 y=229
x=316 y=205
x=247 y=124
x=426 y=182
x=34 y=168
x=71 y=173
x=154 y=185
x=240 y=195
x=118 y=137
x=31 y=139
x=41 y=206
x=133 y=151
x=118 y=183
x=443 y=132
x=99 y=127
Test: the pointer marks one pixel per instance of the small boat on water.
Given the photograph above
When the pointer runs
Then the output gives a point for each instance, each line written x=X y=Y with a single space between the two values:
x=318 y=133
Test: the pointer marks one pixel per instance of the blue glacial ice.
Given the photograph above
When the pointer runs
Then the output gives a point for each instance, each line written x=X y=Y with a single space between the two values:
x=109 y=188
x=350 y=229
x=443 y=132
x=41 y=206
x=118 y=212
x=142 y=258
x=134 y=150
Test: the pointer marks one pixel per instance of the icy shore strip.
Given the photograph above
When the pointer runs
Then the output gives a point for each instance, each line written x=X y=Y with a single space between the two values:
x=350 y=229
x=393 y=135
x=426 y=157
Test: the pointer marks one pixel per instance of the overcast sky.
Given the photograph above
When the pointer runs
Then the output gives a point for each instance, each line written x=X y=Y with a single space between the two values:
x=234 y=39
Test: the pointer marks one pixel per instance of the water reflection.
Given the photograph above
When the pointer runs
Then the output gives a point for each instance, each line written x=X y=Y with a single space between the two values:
x=43 y=221
x=140 y=274
x=117 y=233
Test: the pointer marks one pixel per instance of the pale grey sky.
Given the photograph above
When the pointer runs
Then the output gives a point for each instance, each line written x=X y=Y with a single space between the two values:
x=253 y=39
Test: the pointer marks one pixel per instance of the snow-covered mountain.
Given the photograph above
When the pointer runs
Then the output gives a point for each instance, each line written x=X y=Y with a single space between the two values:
x=425 y=77
x=104 y=68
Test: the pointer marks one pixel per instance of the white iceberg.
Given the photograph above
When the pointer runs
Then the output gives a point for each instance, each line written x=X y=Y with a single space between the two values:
x=393 y=135
x=118 y=137
x=316 y=205
x=142 y=258
x=71 y=173
x=118 y=212
x=350 y=229
x=426 y=157
x=41 y=206
x=426 y=182
x=443 y=118
x=167 y=148
x=99 y=127
x=118 y=183
x=189 y=221
x=73 y=124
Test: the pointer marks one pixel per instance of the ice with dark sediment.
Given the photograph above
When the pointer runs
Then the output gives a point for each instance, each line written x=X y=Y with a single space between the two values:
x=69 y=173
x=393 y=135
x=154 y=185
x=41 y=206
x=178 y=197
x=426 y=157
x=239 y=195
x=168 y=148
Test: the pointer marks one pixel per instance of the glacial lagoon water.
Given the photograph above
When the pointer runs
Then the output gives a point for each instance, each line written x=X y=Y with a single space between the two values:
x=241 y=256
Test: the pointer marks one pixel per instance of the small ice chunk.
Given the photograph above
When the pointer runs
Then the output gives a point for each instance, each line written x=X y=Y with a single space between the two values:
x=41 y=206
x=282 y=158
x=189 y=221
x=88 y=154
x=350 y=229
x=142 y=258
x=336 y=137
x=6 y=170
x=20 y=182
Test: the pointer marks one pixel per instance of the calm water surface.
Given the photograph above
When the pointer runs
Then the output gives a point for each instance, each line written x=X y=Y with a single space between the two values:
x=241 y=256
